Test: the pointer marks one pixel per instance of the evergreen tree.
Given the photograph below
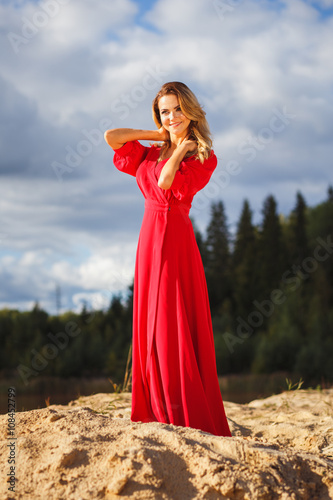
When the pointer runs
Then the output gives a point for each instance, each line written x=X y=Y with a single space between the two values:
x=245 y=235
x=243 y=263
x=298 y=251
x=217 y=257
x=330 y=194
x=298 y=239
x=321 y=231
x=271 y=252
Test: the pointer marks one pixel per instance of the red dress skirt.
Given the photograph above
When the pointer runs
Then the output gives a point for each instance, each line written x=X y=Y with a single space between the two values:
x=174 y=377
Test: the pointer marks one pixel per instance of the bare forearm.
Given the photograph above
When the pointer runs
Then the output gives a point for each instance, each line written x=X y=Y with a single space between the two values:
x=118 y=136
x=170 y=168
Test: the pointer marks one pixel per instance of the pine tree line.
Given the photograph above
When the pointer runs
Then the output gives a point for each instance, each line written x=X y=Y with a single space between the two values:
x=271 y=289
x=91 y=343
x=271 y=294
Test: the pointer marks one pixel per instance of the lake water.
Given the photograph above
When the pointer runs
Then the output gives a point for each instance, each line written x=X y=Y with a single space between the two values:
x=44 y=391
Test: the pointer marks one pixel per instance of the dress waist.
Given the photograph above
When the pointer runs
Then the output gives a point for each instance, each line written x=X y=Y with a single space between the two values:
x=165 y=207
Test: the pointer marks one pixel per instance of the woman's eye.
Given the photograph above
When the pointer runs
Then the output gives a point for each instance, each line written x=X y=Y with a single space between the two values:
x=165 y=112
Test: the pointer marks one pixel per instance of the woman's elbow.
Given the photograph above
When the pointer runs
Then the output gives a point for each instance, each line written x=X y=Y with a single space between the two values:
x=110 y=137
x=164 y=183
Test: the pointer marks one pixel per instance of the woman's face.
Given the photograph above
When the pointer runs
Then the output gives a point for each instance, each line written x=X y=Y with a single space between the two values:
x=172 y=117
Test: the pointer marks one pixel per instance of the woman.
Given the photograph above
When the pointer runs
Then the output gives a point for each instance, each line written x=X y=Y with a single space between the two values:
x=174 y=377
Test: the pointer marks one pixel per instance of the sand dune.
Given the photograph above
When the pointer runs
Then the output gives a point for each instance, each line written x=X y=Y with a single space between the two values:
x=282 y=447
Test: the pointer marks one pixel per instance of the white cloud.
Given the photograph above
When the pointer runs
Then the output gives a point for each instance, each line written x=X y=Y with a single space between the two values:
x=112 y=271
x=37 y=273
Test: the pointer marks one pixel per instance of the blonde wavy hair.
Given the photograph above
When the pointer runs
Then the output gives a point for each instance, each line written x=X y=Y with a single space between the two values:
x=198 y=128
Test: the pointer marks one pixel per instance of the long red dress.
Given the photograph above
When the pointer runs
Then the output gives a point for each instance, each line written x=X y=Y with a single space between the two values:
x=174 y=377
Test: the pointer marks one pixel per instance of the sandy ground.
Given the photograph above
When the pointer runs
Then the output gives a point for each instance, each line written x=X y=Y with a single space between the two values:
x=282 y=447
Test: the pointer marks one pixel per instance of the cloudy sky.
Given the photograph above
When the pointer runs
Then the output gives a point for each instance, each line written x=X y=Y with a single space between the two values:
x=70 y=69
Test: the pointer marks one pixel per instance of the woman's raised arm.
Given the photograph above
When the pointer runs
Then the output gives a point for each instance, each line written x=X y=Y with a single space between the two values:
x=117 y=137
x=170 y=168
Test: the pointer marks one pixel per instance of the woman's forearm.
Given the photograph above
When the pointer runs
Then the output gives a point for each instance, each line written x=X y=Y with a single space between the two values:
x=170 y=168
x=118 y=136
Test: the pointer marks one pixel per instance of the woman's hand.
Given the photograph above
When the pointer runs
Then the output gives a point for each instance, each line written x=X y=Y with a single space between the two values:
x=189 y=145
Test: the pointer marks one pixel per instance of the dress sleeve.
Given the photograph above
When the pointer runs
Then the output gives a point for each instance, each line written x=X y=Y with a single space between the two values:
x=193 y=176
x=128 y=157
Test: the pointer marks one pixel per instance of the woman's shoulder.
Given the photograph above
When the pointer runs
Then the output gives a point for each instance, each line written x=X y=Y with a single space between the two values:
x=210 y=162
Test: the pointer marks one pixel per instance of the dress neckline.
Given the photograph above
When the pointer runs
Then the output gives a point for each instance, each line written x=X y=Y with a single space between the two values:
x=160 y=161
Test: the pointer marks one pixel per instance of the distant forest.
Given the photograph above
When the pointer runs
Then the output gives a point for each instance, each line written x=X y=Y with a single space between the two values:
x=271 y=295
